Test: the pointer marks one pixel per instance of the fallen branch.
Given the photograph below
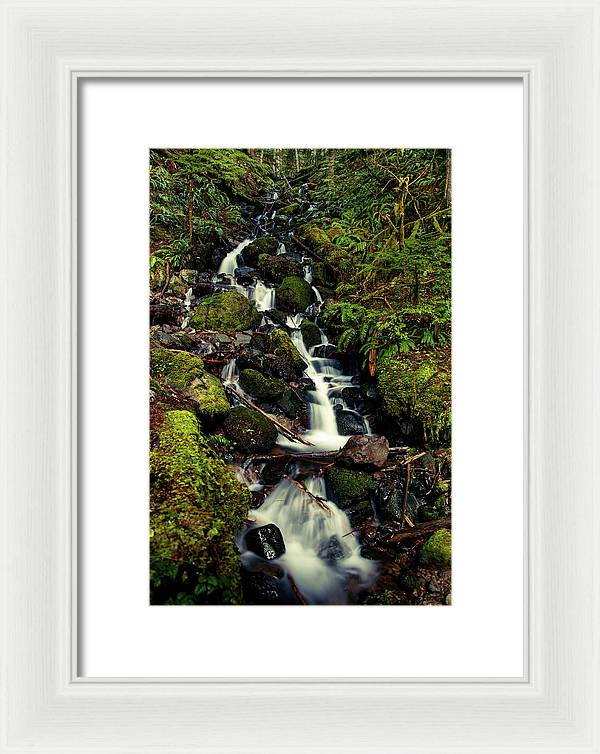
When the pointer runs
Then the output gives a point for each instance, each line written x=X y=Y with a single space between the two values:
x=318 y=500
x=406 y=485
x=282 y=428
x=419 y=530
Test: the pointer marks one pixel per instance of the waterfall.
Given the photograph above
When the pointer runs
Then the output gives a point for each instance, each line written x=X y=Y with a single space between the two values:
x=230 y=263
x=322 y=557
x=321 y=553
x=263 y=296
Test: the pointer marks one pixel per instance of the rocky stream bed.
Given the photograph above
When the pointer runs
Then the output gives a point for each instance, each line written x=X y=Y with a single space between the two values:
x=278 y=476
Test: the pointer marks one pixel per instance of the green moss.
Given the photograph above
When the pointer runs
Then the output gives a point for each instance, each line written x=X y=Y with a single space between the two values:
x=311 y=335
x=259 y=386
x=251 y=431
x=346 y=484
x=294 y=294
x=438 y=548
x=186 y=372
x=196 y=508
x=315 y=237
x=418 y=387
x=289 y=209
x=276 y=268
x=282 y=346
x=229 y=311
x=264 y=245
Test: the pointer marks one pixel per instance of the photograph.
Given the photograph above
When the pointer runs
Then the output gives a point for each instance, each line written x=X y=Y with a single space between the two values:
x=300 y=376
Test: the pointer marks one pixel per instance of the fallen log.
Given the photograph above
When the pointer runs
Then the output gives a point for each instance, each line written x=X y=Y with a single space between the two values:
x=419 y=530
x=282 y=428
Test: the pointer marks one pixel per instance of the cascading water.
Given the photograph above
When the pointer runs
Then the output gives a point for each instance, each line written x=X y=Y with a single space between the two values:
x=322 y=560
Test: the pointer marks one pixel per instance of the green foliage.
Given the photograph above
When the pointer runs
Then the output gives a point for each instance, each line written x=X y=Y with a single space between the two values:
x=196 y=508
x=438 y=548
x=195 y=197
x=229 y=311
x=275 y=269
x=417 y=387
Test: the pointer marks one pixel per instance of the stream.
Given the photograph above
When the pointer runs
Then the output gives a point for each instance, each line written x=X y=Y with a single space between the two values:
x=322 y=562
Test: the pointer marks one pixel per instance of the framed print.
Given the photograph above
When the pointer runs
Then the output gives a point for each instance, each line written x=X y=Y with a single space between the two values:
x=364 y=237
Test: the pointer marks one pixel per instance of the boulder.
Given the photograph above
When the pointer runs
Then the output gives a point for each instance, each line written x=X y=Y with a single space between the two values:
x=349 y=423
x=294 y=294
x=263 y=245
x=229 y=311
x=438 y=548
x=186 y=372
x=311 y=335
x=280 y=344
x=389 y=499
x=345 y=485
x=275 y=269
x=251 y=431
x=332 y=549
x=364 y=450
x=259 y=386
x=266 y=542
x=203 y=285
x=260 y=589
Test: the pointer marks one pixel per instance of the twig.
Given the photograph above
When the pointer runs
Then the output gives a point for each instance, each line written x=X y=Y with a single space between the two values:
x=404 y=502
x=318 y=500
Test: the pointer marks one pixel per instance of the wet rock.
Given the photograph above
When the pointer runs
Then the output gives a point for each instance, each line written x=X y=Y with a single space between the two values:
x=251 y=431
x=274 y=469
x=274 y=269
x=245 y=275
x=294 y=294
x=179 y=341
x=277 y=316
x=389 y=499
x=349 y=423
x=332 y=550
x=266 y=542
x=364 y=450
x=280 y=344
x=259 y=386
x=294 y=404
x=163 y=311
x=229 y=311
x=203 y=285
x=242 y=339
x=261 y=588
x=345 y=485
x=311 y=335
x=263 y=245
x=325 y=351
x=370 y=391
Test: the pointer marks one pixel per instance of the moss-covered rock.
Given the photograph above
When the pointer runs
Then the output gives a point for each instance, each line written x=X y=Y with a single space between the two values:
x=294 y=294
x=348 y=485
x=280 y=344
x=417 y=387
x=275 y=269
x=264 y=245
x=186 y=372
x=229 y=311
x=196 y=509
x=251 y=431
x=311 y=335
x=438 y=548
x=259 y=386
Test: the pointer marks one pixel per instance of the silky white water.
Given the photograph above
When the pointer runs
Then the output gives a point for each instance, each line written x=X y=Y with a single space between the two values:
x=322 y=559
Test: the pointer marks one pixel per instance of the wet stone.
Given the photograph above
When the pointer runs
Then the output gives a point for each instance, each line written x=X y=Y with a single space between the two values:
x=266 y=542
x=332 y=549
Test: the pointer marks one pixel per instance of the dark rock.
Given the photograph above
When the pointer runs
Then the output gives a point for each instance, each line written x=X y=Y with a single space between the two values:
x=204 y=285
x=274 y=269
x=163 y=312
x=260 y=588
x=274 y=469
x=263 y=245
x=243 y=339
x=266 y=542
x=349 y=423
x=389 y=499
x=311 y=335
x=332 y=549
x=251 y=431
x=364 y=450
x=294 y=294
x=370 y=391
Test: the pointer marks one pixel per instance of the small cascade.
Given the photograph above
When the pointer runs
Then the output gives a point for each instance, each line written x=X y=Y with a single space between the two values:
x=230 y=263
x=321 y=554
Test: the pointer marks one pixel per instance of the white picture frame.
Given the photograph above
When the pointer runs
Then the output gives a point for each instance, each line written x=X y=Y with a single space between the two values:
x=553 y=47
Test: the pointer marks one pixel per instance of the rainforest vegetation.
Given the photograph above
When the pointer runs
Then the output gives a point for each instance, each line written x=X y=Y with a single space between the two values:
x=300 y=412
